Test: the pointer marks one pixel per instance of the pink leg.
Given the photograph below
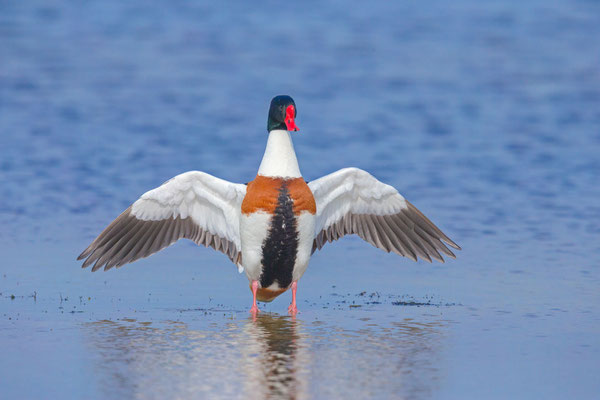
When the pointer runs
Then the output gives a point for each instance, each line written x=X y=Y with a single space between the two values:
x=292 y=309
x=254 y=309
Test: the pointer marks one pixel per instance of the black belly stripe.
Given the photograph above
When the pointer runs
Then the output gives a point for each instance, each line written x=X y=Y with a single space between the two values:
x=280 y=246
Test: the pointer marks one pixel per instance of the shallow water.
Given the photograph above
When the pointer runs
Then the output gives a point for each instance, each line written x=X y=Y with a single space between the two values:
x=485 y=116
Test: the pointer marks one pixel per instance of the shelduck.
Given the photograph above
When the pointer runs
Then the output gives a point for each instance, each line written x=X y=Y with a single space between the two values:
x=271 y=226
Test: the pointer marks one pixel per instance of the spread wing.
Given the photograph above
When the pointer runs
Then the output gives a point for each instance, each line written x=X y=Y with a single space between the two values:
x=351 y=201
x=193 y=205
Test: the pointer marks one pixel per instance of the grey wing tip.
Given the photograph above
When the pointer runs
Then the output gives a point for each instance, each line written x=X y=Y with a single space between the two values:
x=87 y=256
x=412 y=257
x=450 y=254
x=441 y=234
x=97 y=266
x=454 y=245
x=85 y=253
x=87 y=264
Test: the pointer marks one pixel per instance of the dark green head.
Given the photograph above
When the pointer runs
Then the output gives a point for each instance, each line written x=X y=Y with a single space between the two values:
x=282 y=114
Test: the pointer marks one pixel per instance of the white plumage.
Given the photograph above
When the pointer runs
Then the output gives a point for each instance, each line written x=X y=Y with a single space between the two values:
x=352 y=190
x=212 y=203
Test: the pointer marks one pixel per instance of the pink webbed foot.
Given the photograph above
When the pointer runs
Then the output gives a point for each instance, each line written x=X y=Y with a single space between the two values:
x=292 y=309
x=254 y=309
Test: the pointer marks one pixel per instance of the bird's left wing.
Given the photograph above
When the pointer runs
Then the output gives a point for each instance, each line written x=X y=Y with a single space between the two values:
x=193 y=205
x=352 y=201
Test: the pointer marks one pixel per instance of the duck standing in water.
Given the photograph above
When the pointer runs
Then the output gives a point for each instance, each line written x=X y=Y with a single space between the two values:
x=271 y=226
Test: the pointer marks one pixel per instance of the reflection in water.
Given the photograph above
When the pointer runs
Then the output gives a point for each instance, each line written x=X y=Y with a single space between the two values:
x=269 y=357
x=275 y=359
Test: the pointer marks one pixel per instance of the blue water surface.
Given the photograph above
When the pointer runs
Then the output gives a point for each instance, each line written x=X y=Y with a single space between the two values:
x=485 y=115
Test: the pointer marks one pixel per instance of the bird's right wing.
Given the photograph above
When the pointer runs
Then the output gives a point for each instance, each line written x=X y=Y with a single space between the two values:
x=193 y=205
x=352 y=201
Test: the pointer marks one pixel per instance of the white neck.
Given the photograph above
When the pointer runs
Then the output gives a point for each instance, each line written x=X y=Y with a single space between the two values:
x=280 y=158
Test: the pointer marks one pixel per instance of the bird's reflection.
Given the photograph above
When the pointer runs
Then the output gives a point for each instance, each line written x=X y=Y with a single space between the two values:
x=270 y=356
x=278 y=359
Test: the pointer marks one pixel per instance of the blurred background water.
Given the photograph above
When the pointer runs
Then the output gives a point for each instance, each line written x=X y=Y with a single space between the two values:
x=486 y=115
